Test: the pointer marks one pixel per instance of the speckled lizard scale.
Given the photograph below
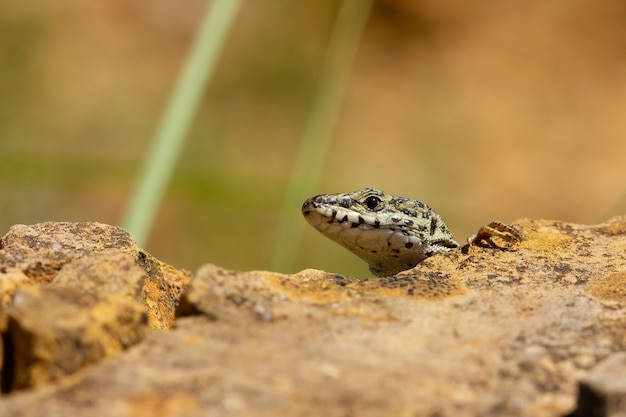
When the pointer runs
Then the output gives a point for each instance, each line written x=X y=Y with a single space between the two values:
x=390 y=233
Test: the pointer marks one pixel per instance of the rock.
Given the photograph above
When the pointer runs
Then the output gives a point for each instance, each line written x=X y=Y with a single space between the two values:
x=74 y=293
x=55 y=331
x=40 y=251
x=602 y=393
x=489 y=333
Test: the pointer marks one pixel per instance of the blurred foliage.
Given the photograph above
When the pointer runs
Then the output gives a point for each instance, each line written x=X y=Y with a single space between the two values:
x=484 y=110
x=173 y=129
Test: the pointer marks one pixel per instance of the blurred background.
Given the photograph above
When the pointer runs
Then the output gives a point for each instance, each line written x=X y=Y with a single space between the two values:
x=484 y=110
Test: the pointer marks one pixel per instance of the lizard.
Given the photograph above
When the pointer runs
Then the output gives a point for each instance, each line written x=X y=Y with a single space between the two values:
x=391 y=234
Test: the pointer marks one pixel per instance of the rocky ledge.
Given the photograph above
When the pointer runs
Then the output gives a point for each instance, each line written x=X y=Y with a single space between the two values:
x=539 y=330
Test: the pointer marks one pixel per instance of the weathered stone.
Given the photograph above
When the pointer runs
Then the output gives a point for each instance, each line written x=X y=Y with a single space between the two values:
x=161 y=291
x=74 y=293
x=41 y=251
x=602 y=393
x=54 y=331
x=489 y=333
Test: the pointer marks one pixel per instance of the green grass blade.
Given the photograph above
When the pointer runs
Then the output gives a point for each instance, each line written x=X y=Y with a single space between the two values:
x=177 y=118
x=312 y=154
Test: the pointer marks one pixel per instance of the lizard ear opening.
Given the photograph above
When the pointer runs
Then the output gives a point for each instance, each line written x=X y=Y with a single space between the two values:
x=433 y=225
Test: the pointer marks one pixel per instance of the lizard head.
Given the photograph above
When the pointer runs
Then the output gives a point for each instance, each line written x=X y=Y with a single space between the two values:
x=390 y=233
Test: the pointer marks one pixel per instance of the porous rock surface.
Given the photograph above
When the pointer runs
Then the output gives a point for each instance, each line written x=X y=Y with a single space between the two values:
x=74 y=293
x=539 y=330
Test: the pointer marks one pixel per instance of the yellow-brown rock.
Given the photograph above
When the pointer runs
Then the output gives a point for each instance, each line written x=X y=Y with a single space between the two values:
x=74 y=293
x=488 y=333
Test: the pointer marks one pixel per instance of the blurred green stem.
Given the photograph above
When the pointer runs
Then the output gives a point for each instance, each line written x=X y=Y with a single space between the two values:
x=314 y=145
x=177 y=118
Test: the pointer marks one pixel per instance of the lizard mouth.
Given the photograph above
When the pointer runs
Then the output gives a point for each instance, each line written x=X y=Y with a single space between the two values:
x=317 y=210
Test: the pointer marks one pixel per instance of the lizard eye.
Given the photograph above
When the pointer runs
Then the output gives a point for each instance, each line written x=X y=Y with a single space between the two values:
x=372 y=203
